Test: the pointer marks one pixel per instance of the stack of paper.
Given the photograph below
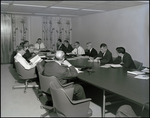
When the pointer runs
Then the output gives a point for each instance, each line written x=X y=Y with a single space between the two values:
x=142 y=77
x=136 y=72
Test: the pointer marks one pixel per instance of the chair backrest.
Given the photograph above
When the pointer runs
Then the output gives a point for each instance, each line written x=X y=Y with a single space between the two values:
x=24 y=73
x=64 y=105
x=138 y=65
x=45 y=80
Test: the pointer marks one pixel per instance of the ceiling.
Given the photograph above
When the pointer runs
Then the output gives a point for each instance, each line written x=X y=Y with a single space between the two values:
x=81 y=8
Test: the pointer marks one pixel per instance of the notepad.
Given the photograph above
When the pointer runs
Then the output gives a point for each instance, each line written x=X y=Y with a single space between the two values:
x=106 y=66
x=136 y=72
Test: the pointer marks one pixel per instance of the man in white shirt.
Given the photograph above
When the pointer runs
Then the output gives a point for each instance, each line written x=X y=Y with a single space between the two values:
x=39 y=45
x=21 y=60
x=78 y=50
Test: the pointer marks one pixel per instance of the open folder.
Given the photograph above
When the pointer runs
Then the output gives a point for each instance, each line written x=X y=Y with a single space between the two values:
x=35 y=59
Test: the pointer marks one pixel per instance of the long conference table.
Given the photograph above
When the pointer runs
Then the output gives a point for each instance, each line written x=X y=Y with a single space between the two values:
x=115 y=80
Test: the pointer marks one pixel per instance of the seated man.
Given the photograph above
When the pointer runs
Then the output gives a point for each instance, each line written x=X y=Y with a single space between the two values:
x=29 y=52
x=21 y=60
x=63 y=70
x=78 y=50
x=39 y=45
x=68 y=47
x=60 y=45
x=124 y=58
x=104 y=56
x=91 y=52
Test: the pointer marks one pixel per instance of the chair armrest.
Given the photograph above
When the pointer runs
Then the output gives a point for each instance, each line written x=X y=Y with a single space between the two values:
x=68 y=84
x=81 y=101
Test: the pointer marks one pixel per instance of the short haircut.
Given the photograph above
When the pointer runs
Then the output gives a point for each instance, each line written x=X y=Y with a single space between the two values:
x=66 y=41
x=77 y=42
x=39 y=39
x=19 y=48
x=31 y=45
x=120 y=50
x=103 y=45
x=88 y=43
x=22 y=44
x=59 y=40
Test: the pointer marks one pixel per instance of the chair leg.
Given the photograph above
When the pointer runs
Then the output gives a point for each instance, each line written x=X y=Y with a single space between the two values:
x=26 y=84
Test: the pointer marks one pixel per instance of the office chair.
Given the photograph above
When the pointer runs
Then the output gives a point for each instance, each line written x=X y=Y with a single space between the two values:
x=44 y=85
x=65 y=106
x=26 y=75
x=138 y=65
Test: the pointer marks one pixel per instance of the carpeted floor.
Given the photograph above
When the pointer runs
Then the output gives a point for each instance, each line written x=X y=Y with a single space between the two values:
x=16 y=103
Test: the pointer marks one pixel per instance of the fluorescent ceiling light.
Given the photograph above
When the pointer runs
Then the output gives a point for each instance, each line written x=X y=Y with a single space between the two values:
x=92 y=10
x=28 y=5
x=64 y=8
x=67 y=15
x=44 y=14
x=4 y=3
x=18 y=12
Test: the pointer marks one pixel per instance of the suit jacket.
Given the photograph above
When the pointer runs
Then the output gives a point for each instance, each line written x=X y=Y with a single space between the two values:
x=127 y=61
x=62 y=47
x=68 y=49
x=59 y=71
x=27 y=55
x=92 y=53
x=107 y=58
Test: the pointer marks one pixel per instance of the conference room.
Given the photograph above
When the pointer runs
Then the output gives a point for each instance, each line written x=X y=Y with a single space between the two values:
x=43 y=28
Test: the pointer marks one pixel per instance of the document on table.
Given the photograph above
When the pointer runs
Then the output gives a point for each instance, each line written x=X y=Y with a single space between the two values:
x=136 y=72
x=43 y=56
x=115 y=65
x=142 y=77
x=78 y=70
x=111 y=65
x=106 y=66
x=145 y=70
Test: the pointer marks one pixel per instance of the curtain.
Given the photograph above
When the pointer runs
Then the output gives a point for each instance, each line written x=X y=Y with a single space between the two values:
x=6 y=38
x=55 y=28
x=20 y=28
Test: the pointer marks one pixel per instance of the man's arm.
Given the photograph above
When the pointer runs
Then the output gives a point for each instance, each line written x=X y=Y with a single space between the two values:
x=106 y=59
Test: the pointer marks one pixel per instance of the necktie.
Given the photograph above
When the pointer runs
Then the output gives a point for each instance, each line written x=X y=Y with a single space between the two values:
x=77 y=51
x=39 y=46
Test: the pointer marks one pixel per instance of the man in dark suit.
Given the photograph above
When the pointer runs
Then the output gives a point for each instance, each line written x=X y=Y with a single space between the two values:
x=63 y=70
x=91 y=52
x=124 y=58
x=68 y=47
x=104 y=56
x=60 y=45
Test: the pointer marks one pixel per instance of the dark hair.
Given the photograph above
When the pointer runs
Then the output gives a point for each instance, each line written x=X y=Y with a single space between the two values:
x=103 y=45
x=59 y=40
x=39 y=39
x=22 y=44
x=77 y=42
x=66 y=41
x=19 y=48
x=120 y=50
